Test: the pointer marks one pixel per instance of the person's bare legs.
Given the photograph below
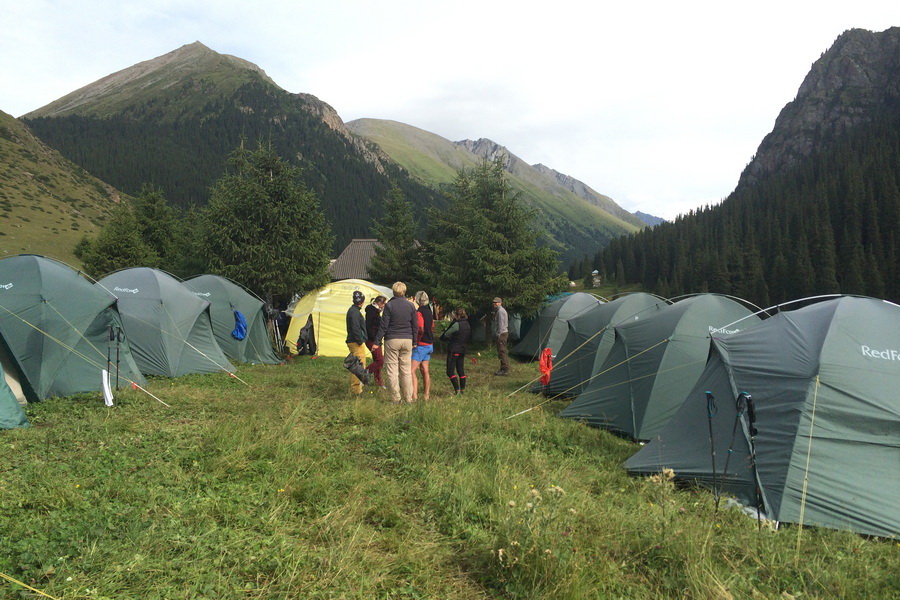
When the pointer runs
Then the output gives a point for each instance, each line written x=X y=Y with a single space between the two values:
x=426 y=380
x=414 y=366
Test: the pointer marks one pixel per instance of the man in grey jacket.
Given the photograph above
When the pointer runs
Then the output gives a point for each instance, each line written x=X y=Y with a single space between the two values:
x=501 y=335
x=399 y=328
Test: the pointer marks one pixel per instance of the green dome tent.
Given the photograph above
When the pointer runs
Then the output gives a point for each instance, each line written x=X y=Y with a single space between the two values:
x=653 y=364
x=54 y=326
x=589 y=339
x=168 y=326
x=550 y=327
x=824 y=383
x=11 y=413
x=224 y=298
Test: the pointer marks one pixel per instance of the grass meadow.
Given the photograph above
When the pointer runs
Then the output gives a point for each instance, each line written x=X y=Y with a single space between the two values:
x=285 y=486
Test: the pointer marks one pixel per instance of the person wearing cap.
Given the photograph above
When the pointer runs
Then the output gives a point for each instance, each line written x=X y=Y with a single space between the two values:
x=356 y=337
x=501 y=335
x=399 y=329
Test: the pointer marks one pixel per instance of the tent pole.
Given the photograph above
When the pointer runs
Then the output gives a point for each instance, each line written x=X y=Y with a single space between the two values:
x=711 y=411
x=751 y=415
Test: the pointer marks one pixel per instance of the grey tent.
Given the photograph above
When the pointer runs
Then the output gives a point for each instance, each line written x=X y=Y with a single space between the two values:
x=654 y=363
x=225 y=297
x=824 y=383
x=54 y=329
x=11 y=413
x=550 y=327
x=589 y=339
x=168 y=326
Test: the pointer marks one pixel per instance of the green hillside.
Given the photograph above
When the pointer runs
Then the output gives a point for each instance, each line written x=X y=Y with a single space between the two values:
x=575 y=226
x=173 y=120
x=47 y=203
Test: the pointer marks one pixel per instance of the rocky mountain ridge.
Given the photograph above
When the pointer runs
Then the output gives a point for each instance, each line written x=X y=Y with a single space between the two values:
x=858 y=77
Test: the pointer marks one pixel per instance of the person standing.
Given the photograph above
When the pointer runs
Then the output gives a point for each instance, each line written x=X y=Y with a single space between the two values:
x=457 y=337
x=398 y=329
x=424 y=347
x=501 y=335
x=356 y=337
x=373 y=321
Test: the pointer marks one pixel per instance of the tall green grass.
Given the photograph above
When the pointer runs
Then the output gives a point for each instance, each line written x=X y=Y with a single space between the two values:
x=290 y=488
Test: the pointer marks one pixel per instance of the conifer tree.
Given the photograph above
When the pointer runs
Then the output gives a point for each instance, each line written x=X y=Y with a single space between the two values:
x=395 y=253
x=484 y=246
x=264 y=229
x=119 y=245
x=157 y=221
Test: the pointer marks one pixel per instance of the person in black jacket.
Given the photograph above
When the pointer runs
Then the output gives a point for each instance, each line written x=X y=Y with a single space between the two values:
x=457 y=337
x=423 y=347
x=373 y=322
x=356 y=338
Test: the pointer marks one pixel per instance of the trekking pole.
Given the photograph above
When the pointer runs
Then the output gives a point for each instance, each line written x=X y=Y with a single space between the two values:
x=118 y=343
x=751 y=416
x=739 y=405
x=711 y=411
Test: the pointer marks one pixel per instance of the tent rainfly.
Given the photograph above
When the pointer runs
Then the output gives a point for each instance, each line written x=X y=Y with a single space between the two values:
x=589 y=339
x=328 y=307
x=654 y=363
x=824 y=383
x=225 y=297
x=11 y=413
x=54 y=329
x=551 y=326
x=169 y=327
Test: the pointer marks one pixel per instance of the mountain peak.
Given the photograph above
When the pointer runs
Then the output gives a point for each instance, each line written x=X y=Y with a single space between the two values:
x=149 y=78
x=857 y=78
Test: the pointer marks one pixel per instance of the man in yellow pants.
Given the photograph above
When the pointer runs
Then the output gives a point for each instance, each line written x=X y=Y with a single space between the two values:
x=356 y=337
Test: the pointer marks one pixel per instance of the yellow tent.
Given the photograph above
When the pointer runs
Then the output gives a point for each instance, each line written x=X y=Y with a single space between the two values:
x=328 y=306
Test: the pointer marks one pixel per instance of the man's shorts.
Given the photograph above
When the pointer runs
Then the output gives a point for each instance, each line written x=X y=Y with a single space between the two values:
x=422 y=353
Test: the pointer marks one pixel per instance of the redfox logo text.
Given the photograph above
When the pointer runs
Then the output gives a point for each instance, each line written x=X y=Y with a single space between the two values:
x=882 y=354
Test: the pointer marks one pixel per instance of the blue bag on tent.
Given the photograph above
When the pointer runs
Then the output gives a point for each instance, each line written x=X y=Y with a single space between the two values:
x=240 y=326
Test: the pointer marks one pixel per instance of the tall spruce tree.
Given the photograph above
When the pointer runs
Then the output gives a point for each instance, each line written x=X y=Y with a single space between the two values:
x=157 y=221
x=484 y=246
x=119 y=245
x=395 y=254
x=264 y=228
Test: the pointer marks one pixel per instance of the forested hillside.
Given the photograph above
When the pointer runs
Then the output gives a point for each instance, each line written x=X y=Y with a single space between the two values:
x=817 y=210
x=46 y=203
x=171 y=139
x=830 y=224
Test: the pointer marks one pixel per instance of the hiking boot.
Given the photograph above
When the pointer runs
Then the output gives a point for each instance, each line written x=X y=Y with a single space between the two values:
x=502 y=373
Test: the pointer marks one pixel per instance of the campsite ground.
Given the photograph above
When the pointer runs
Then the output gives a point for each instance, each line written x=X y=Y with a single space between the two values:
x=286 y=487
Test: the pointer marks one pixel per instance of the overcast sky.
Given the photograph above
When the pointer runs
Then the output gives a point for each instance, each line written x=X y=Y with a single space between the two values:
x=659 y=105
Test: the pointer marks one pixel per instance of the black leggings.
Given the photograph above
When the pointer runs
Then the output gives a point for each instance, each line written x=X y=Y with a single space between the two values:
x=456 y=365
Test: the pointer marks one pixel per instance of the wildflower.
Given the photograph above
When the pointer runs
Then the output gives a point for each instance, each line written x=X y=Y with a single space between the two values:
x=655 y=479
x=500 y=554
x=548 y=551
x=572 y=511
x=512 y=503
x=281 y=491
x=668 y=474
x=77 y=485
x=555 y=489
x=514 y=543
x=535 y=493
x=529 y=505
